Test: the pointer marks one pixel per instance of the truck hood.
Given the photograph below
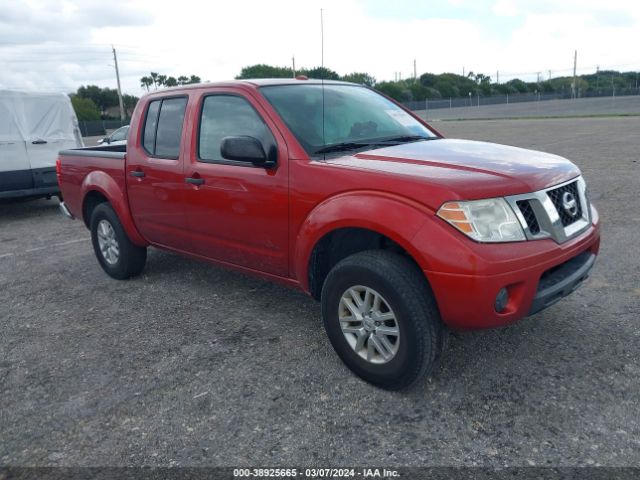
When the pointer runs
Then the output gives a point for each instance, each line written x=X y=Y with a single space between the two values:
x=467 y=169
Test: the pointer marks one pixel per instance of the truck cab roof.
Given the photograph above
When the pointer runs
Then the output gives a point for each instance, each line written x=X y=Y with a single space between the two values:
x=254 y=83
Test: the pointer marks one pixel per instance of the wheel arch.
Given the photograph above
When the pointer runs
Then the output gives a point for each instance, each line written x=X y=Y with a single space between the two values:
x=351 y=223
x=99 y=187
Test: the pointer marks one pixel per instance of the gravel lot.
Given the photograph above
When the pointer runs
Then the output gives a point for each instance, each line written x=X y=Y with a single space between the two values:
x=193 y=365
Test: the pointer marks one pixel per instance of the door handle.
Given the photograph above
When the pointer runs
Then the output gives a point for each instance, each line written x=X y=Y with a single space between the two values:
x=194 y=180
x=137 y=173
x=39 y=142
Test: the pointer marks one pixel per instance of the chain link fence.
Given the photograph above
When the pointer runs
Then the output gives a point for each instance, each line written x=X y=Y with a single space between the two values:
x=99 y=127
x=479 y=100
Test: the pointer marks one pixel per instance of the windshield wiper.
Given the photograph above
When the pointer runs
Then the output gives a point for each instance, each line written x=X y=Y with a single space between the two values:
x=405 y=138
x=341 y=147
x=344 y=146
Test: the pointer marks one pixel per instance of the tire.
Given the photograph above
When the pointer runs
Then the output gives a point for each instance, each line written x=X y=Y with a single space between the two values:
x=117 y=255
x=397 y=360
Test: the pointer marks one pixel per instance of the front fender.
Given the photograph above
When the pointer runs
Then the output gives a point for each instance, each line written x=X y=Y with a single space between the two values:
x=105 y=184
x=395 y=217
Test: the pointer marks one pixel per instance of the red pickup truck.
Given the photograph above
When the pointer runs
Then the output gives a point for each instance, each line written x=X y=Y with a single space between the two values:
x=337 y=190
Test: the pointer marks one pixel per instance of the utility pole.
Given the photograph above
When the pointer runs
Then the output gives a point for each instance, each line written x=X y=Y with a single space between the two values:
x=538 y=81
x=415 y=72
x=574 y=84
x=613 y=87
x=497 y=76
x=463 y=71
x=293 y=61
x=115 y=60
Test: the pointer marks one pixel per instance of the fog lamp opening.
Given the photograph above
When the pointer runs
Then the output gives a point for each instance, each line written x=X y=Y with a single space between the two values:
x=502 y=299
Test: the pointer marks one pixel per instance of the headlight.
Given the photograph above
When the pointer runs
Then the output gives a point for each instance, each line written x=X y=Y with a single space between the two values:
x=490 y=220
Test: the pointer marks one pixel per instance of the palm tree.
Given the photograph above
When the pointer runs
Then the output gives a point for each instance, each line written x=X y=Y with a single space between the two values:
x=162 y=80
x=182 y=80
x=145 y=82
x=194 y=79
x=154 y=78
x=171 y=82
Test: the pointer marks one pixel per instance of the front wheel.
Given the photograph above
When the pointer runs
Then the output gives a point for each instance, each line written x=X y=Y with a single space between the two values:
x=381 y=318
x=117 y=255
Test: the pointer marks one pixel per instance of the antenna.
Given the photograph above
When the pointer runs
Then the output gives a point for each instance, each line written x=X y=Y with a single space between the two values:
x=324 y=141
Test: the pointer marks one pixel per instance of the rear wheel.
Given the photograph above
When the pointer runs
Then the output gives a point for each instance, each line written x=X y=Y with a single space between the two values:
x=381 y=318
x=115 y=252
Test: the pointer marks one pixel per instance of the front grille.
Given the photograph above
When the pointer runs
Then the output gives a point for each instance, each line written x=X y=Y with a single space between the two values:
x=529 y=216
x=556 y=197
x=543 y=213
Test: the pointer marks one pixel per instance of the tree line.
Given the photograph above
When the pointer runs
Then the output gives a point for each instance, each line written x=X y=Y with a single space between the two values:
x=94 y=103
x=431 y=86
x=268 y=71
x=156 y=80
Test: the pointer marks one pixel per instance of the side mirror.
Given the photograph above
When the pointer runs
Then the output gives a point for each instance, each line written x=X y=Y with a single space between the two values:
x=103 y=140
x=243 y=148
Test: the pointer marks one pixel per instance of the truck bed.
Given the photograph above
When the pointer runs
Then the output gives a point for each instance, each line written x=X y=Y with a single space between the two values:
x=102 y=165
x=104 y=151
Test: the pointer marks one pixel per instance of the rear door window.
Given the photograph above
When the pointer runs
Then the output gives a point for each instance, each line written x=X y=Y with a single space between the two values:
x=162 y=135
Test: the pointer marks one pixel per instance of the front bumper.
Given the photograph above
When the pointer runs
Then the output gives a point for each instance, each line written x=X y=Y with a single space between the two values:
x=560 y=281
x=534 y=281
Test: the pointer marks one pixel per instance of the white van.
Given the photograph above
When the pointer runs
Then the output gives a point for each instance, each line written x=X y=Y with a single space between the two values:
x=34 y=127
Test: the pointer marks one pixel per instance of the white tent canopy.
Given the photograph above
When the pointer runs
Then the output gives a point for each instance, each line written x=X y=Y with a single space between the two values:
x=34 y=127
x=29 y=116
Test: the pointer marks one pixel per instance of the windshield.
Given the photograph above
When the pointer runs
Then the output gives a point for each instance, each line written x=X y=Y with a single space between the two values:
x=355 y=117
x=120 y=134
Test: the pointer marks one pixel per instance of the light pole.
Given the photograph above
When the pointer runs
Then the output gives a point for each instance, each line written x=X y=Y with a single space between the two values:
x=613 y=87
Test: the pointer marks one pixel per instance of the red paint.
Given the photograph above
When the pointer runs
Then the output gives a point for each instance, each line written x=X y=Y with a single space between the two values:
x=267 y=221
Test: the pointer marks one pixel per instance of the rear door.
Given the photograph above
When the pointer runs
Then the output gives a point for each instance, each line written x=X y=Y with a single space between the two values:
x=42 y=155
x=238 y=213
x=48 y=129
x=155 y=177
x=15 y=170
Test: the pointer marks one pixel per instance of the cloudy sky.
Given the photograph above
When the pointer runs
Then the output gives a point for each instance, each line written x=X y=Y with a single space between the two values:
x=60 y=45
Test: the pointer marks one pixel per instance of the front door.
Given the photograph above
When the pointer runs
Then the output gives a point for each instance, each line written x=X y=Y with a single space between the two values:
x=238 y=214
x=155 y=174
